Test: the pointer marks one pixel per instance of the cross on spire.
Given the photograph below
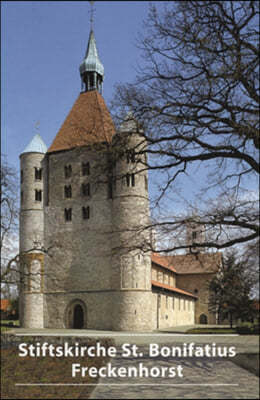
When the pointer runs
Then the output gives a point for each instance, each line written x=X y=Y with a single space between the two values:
x=91 y=12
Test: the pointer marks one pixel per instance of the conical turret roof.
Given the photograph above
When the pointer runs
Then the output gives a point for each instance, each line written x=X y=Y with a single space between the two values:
x=36 y=145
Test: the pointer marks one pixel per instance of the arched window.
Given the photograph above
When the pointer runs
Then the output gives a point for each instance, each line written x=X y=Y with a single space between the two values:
x=38 y=174
x=78 y=317
x=68 y=214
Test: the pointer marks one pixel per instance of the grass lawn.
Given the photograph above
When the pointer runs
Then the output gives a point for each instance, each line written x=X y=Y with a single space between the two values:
x=212 y=330
x=6 y=325
x=17 y=369
x=245 y=329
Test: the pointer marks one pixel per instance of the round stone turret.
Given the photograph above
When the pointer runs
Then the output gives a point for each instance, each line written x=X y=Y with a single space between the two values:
x=31 y=233
x=131 y=266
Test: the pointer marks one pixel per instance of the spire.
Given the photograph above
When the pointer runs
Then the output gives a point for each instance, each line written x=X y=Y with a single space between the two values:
x=91 y=69
x=92 y=9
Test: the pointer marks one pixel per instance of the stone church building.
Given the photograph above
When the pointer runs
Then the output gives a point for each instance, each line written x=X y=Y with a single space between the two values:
x=85 y=258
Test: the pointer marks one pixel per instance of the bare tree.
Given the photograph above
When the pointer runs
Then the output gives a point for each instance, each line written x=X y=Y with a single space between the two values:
x=9 y=234
x=197 y=97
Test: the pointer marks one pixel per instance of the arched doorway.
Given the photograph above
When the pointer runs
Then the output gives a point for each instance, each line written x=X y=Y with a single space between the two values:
x=203 y=319
x=75 y=316
x=78 y=317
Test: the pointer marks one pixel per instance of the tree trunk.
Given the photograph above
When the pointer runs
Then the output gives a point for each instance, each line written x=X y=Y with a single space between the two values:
x=231 y=320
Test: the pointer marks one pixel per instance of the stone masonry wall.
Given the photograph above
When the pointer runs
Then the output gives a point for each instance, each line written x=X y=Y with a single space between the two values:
x=31 y=236
x=78 y=265
x=131 y=265
x=198 y=285
x=172 y=310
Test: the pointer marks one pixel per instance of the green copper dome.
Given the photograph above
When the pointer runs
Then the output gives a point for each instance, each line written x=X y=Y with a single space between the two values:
x=91 y=62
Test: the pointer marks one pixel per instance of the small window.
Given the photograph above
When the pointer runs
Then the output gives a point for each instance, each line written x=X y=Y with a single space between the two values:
x=130 y=156
x=85 y=212
x=196 y=291
x=38 y=174
x=127 y=178
x=85 y=189
x=166 y=301
x=67 y=171
x=85 y=169
x=38 y=195
x=130 y=180
x=67 y=192
x=21 y=176
x=146 y=183
x=91 y=76
x=68 y=214
x=133 y=179
x=173 y=303
x=194 y=235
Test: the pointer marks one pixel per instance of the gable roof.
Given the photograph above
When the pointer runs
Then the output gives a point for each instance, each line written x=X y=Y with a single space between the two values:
x=197 y=263
x=88 y=122
x=162 y=261
x=189 y=263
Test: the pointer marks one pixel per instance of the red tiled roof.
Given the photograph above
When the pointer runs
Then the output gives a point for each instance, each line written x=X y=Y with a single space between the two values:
x=162 y=261
x=197 y=263
x=189 y=263
x=4 y=304
x=173 y=289
x=88 y=122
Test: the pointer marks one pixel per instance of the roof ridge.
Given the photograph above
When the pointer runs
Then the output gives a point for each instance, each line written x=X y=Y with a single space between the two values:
x=173 y=289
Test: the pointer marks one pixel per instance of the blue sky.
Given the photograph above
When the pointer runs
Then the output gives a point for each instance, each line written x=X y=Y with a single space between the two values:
x=43 y=44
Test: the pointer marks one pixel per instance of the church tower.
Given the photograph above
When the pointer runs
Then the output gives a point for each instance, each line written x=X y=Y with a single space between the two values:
x=195 y=233
x=31 y=234
x=96 y=199
x=131 y=261
x=78 y=209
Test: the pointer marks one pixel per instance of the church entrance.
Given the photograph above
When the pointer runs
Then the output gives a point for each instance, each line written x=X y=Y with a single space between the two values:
x=203 y=319
x=78 y=317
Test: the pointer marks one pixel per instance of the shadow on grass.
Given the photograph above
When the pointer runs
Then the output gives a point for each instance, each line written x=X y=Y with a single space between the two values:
x=44 y=370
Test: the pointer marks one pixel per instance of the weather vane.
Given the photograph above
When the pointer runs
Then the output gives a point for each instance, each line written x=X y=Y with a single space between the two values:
x=37 y=126
x=92 y=10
